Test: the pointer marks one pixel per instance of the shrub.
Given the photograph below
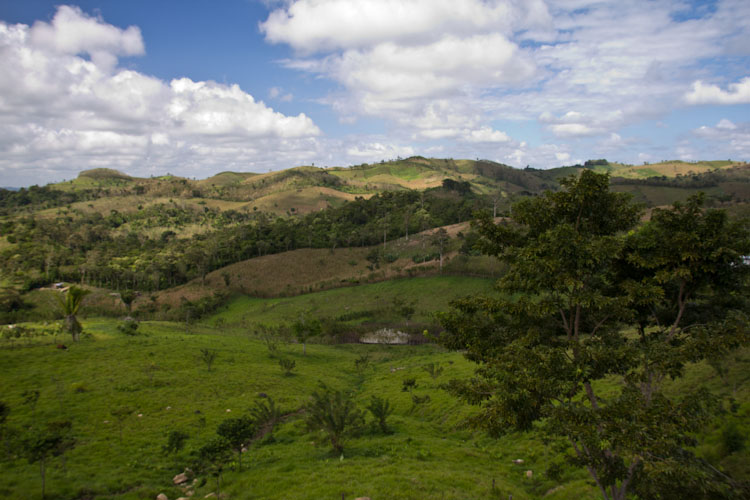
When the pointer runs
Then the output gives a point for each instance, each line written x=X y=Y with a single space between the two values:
x=380 y=408
x=287 y=366
x=335 y=414
x=175 y=441
x=434 y=369
x=208 y=356
x=128 y=326
x=266 y=415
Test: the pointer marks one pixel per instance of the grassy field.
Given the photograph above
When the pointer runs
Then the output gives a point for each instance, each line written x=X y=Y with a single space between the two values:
x=429 y=295
x=160 y=381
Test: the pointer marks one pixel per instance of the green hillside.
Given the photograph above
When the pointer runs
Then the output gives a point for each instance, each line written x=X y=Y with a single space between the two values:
x=157 y=383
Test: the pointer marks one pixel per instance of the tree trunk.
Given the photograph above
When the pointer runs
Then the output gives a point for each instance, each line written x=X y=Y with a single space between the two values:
x=73 y=326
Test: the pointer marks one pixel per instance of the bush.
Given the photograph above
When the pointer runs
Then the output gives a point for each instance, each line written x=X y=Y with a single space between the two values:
x=128 y=326
x=175 y=441
x=335 y=414
x=287 y=366
x=380 y=408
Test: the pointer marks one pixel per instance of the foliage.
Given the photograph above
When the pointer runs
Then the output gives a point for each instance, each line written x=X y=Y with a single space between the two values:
x=237 y=432
x=433 y=369
x=129 y=327
x=305 y=328
x=287 y=365
x=335 y=414
x=211 y=458
x=362 y=362
x=381 y=409
x=40 y=445
x=408 y=384
x=69 y=307
x=175 y=441
x=266 y=415
x=208 y=356
x=589 y=298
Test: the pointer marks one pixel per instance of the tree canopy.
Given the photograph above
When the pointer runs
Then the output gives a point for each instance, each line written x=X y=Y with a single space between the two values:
x=595 y=315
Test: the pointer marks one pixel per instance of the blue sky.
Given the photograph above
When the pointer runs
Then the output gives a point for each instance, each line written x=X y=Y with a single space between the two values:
x=198 y=87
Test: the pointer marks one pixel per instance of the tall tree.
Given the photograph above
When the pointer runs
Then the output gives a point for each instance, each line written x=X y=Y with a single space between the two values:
x=588 y=297
x=70 y=305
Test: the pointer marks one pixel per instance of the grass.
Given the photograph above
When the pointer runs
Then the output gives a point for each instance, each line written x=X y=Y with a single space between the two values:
x=159 y=377
x=430 y=294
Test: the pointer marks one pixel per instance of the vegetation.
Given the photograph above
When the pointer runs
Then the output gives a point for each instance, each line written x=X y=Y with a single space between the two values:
x=239 y=267
x=586 y=302
x=70 y=306
x=335 y=414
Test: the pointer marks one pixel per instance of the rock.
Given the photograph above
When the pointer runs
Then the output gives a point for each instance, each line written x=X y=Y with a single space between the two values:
x=385 y=336
x=518 y=461
x=529 y=474
x=161 y=496
x=362 y=498
x=180 y=478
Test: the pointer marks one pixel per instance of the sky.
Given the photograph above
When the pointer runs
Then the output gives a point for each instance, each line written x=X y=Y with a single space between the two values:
x=197 y=87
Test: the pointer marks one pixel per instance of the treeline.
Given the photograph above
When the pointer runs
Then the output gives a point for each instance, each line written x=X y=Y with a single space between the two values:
x=115 y=252
x=40 y=198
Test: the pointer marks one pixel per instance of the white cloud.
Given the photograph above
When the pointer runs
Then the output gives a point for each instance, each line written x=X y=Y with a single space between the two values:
x=738 y=93
x=416 y=63
x=59 y=111
x=72 y=32
x=731 y=138
x=376 y=151
x=433 y=68
x=329 y=25
x=487 y=134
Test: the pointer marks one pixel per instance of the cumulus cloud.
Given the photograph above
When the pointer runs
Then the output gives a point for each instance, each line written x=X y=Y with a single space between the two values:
x=738 y=93
x=415 y=63
x=325 y=25
x=60 y=110
x=73 y=32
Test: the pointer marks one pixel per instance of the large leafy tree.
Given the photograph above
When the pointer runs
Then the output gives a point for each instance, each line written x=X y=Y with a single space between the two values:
x=595 y=314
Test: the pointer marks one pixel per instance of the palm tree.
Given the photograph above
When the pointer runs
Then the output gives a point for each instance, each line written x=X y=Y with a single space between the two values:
x=70 y=305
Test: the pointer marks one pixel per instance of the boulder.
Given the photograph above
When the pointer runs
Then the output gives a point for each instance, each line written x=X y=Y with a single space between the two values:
x=385 y=336
x=161 y=496
x=529 y=474
x=180 y=478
